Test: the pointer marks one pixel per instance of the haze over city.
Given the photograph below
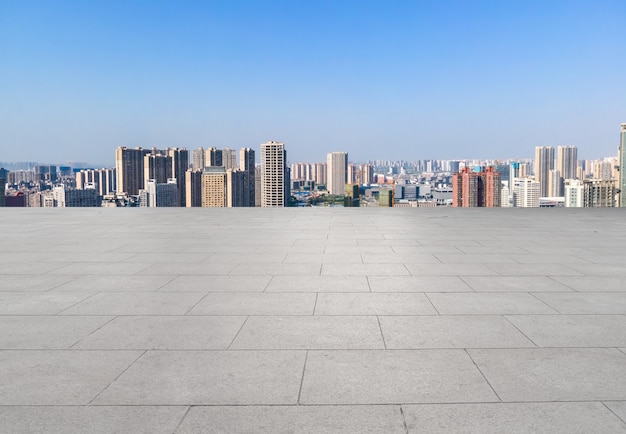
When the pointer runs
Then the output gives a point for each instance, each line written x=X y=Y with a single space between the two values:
x=406 y=80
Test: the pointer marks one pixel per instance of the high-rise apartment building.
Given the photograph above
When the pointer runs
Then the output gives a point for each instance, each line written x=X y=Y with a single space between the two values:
x=157 y=166
x=366 y=174
x=229 y=158
x=159 y=194
x=129 y=168
x=598 y=193
x=213 y=157
x=193 y=188
x=179 y=161
x=198 y=158
x=275 y=176
x=3 y=180
x=573 y=193
x=104 y=180
x=525 y=193
x=567 y=161
x=477 y=189
x=319 y=173
x=622 y=167
x=337 y=163
x=247 y=166
x=544 y=163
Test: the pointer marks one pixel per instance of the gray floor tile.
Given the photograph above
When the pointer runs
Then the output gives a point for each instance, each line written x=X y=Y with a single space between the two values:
x=34 y=303
x=462 y=258
x=115 y=283
x=552 y=417
x=25 y=283
x=189 y=269
x=164 y=333
x=548 y=374
x=386 y=377
x=100 y=268
x=450 y=270
x=93 y=420
x=616 y=270
x=209 y=378
x=247 y=258
x=573 y=330
x=399 y=258
x=46 y=332
x=593 y=283
x=277 y=270
x=310 y=332
x=414 y=332
x=618 y=407
x=363 y=270
x=319 y=284
x=217 y=284
x=535 y=269
x=487 y=304
x=362 y=419
x=65 y=377
x=514 y=284
x=167 y=257
x=30 y=268
x=326 y=258
x=136 y=303
x=238 y=303
x=373 y=304
x=585 y=303
x=417 y=284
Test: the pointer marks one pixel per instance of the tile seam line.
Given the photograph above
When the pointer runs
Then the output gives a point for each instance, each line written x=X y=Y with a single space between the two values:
x=182 y=419
x=406 y=427
x=92 y=332
x=306 y=357
x=506 y=317
x=483 y=375
x=59 y=313
x=117 y=377
x=236 y=334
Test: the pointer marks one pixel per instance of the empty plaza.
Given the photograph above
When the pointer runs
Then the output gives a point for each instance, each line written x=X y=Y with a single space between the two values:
x=312 y=320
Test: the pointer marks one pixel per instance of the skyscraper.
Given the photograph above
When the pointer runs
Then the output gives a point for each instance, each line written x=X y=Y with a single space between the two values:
x=157 y=166
x=246 y=165
x=179 y=163
x=193 y=188
x=198 y=158
x=337 y=172
x=129 y=167
x=229 y=158
x=213 y=157
x=567 y=161
x=544 y=163
x=622 y=167
x=274 y=175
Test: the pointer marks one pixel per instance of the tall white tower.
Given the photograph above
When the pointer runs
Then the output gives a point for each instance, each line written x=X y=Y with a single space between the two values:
x=337 y=172
x=274 y=175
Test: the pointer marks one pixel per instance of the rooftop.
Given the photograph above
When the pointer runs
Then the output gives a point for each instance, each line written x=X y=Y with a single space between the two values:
x=313 y=320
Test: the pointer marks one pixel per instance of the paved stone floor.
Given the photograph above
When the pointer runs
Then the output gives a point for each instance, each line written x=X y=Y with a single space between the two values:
x=312 y=320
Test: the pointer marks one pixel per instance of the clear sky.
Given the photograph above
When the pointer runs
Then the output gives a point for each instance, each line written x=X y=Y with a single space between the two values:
x=381 y=80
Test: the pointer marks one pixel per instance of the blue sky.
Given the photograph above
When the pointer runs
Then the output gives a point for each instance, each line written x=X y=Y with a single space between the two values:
x=381 y=80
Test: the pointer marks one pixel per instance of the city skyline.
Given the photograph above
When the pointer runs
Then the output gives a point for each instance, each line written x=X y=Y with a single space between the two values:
x=434 y=80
